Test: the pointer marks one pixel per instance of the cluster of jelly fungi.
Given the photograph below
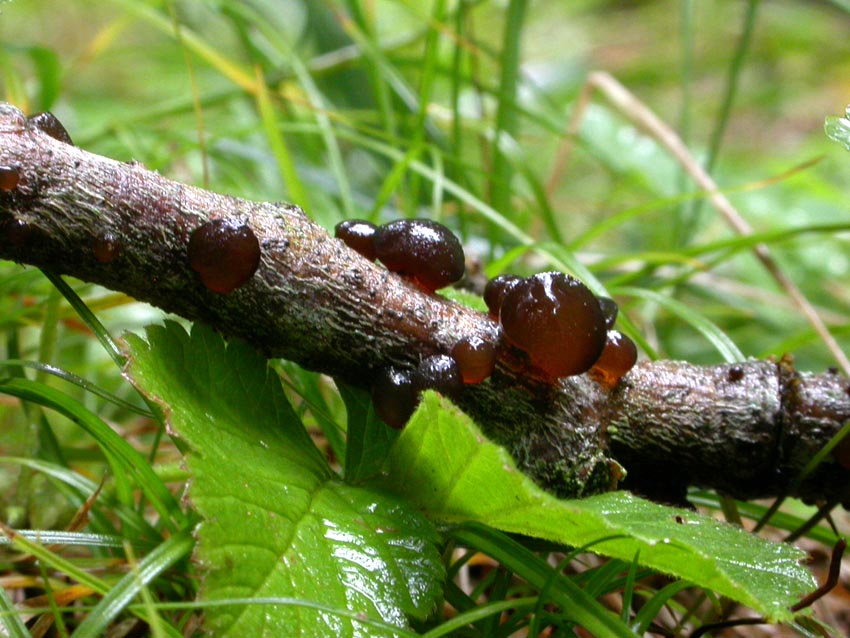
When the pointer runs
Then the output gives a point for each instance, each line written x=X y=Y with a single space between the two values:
x=554 y=323
x=395 y=393
x=558 y=327
x=423 y=251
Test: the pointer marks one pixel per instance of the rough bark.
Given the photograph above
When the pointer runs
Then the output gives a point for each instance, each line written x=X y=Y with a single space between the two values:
x=747 y=431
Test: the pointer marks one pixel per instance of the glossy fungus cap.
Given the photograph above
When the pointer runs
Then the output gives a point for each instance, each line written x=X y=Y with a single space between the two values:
x=617 y=358
x=475 y=358
x=494 y=292
x=224 y=253
x=393 y=397
x=610 y=309
x=48 y=123
x=438 y=372
x=423 y=250
x=359 y=235
x=556 y=321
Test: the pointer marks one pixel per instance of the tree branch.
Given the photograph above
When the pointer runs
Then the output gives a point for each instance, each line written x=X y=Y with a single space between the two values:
x=747 y=430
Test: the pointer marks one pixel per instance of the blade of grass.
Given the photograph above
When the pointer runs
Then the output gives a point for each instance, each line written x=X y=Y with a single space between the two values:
x=134 y=524
x=49 y=329
x=714 y=335
x=481 y=612
x=125 y=461
x=67 y=567
x=574 y=602
x=429 y=62
x=196 y=97
x=326 y=128
x=280 y=149
x=156 y=18
x=75 y=539
x=651 y=608
x=10 y=617
x=377 y=79
x=79 y=382
x=125 y=590
x=687 y=28
x=507 y=121
x=88 y=317
x=736 y=65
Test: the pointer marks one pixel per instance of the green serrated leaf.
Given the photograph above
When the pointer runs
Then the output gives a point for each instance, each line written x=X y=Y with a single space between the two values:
x=278 y=523
x=443 y=463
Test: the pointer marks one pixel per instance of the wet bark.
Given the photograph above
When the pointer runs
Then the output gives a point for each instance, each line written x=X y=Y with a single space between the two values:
x=747 y=430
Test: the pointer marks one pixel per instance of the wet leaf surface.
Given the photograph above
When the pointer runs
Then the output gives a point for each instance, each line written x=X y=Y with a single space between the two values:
x=337 y=559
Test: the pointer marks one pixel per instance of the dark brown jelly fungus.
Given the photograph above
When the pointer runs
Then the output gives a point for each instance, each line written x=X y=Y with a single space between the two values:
x=15 y=232
x=475 y=358
x=735 y=374
x=224 y=253
x=358 y=235
x=105 y=248
x=556 y=321
x=439 y=372
x=423 y=250
x=495 y=291
x=47 y=123
x=609 y=309
x=618 y=357
x=9 y=178
x=393 y=397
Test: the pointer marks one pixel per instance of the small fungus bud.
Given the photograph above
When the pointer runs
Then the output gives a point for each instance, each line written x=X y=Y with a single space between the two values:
x=105 y=248
x=47 y=123
x=494 y=292
x=10 y=177
x=393 y=397
x=617 y=358
x=358 y=235
x=475 y=359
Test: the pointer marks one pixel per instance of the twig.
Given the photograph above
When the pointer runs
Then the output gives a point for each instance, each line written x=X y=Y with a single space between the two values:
x=747 y=430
